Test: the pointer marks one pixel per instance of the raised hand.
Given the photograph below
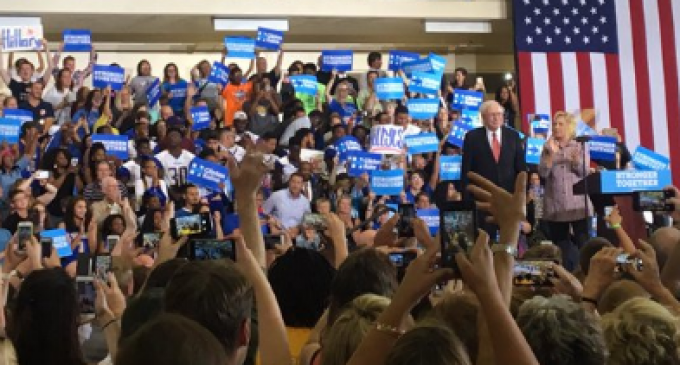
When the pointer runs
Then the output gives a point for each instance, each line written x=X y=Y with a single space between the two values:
x=246 y=178
x=477 y=270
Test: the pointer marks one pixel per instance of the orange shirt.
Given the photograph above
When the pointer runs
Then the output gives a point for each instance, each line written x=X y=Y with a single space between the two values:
x=234 y=97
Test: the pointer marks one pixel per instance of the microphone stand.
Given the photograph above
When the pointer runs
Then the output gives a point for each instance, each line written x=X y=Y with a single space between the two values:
x=583 y=140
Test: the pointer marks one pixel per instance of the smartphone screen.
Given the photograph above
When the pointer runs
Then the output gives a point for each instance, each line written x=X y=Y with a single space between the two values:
x=24 y=233
x=42 y=174
x=652 y=201
x=270 y=241
x=46 y=247
x=111 y=242
x=458 y=228
x=150 y=240
x=208 y=249
x=191 y=225
x=533 y=273
x=407 y=212
x=86 y=294
x=102 y=266
x=607 y=212
x=74 y=162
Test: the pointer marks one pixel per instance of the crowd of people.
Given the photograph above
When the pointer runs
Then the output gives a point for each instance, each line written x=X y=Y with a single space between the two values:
x=305 y=263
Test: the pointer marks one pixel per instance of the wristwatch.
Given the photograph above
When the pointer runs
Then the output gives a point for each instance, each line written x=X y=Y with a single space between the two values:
x=509 y=249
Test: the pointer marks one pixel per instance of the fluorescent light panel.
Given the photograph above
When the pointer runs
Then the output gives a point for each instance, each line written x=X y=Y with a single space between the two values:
x=19 y=21
x=250 y=24
x=457 y=27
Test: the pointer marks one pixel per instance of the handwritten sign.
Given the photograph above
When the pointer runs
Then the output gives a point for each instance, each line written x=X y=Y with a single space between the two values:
x=387 y=139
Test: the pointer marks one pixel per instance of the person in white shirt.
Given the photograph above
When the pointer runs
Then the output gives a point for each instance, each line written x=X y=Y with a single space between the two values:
x=289 y=205
x=241 y=126
x=149 y=178
x=61 y=96
x=228 y=145
x=175 y=161
x=296 y=125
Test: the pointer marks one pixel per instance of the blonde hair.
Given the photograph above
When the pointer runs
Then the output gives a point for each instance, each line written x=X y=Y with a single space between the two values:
x=570 y=122
x=347 y=332
x=642 y=332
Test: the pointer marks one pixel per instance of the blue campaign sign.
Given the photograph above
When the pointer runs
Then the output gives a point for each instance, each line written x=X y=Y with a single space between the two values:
x=629 y=181
x=420 y=65
x=21 y=115
x=345 y=145
x=438 y=64
x=339 y=60
x=425 y=83
x=219 y=74
x=361 y=162
x=104 y=75
x=207 y=174
x=10 y=130
x=269 y=39
x=153 y=93
x=422 y=108
x=304 y=84
x=646 y=159
x=534 y=150
x=387 y=139
x=201 y=117
x=60 y=241
x=471 y=117
x=540 y=123
x=422 y=143
x=450 y=167
x=602 y=148
x=178 y=91
x=431 y=218
x=457 y=134
x=389 y=88
x=389 y=182
x=77 y=40
x=583 y=129
x=467 y=99
x=399 y=57
x=116 y=145
x=240 y=47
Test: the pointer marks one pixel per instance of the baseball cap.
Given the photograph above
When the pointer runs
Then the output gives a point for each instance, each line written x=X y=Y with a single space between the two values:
x=240 y=115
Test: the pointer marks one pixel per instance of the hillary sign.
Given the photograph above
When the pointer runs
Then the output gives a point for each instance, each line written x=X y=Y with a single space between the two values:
x=219 y=74
x=200 y=116
x=18 y=114
x=269 y=39
x=339 y=60
x=399 y=57
x=153 y=93
x=629 y=181
x=645 y=159
x=116 y=145
x=425 y=83
x=421 y=109
x=345 y=145
x=422 y=143
x=10 y=130
x=361 y=162
x=390 y=182
x=77 y=40
x=22 y=38
x=602 y=148
x=431 y=219
x=207 y=174
x=450 y=167
x=457 y=134
x=304 y=84
x=534 y=150
x=240 y=47
x=387 y=139
x=464 y=99
x=389 y=88
x=103 y=76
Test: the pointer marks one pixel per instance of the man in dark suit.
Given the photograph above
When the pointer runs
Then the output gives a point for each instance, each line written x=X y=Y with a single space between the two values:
x=495 y=152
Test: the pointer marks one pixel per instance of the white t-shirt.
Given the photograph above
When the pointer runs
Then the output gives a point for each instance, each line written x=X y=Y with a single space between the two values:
x=55 y=97
x=132 y=151
x=176 y=169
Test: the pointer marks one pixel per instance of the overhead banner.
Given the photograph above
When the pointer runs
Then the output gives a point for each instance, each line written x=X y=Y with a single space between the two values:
x=450 y=167
x=77 y=40
x=362 y=162
x=240 y=47
x=304 y=84
x=422 y=143
x=339 y=60
x=270 y=39
x=397 y=58
x=389 y=88
x=421 y=109
x=21 y=38
x=646 y=159
x=207 y=174
x=104 y=75
x=387 y=139
x=390 y=182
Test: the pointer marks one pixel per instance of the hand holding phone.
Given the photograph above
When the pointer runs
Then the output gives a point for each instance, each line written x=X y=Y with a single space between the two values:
x=653 y=201
x=407 y=213
x=24 y=234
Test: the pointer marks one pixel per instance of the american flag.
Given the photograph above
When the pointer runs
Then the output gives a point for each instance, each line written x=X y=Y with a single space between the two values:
x=619 y=57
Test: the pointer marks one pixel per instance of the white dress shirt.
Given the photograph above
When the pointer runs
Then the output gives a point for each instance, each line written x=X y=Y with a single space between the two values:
x=499 y=135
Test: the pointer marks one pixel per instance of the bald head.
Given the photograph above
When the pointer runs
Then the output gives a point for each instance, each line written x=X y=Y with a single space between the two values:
x=110 y=189
x=664 y=241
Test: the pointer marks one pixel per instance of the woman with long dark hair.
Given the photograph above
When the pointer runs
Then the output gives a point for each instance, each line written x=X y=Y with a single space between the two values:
x=76 y=223
x=61 y=96
x=140 y=83
x=64 y=177
x=508 y=100
x=90 y=110
x=42 y=325
x=175 y=88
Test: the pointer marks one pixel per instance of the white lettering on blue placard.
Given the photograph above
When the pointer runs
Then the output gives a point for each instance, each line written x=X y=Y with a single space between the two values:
x=450 y=167
x=422 y=143
x=22 y=38
x=420 y=65
x=397 y=58
x=103 y=76
x=207 y=174
x=431 y=219
x=19 y=114
x=240 y=47
x=269 y=38
x=602 y=148
x=201 y=117
x=425 y=82
x=534 y=150
x=304 y=84
x=389 y=182
x=457 y=134
x=388 y=88
x=77 y=40
x=421 y=109
x=339 y=60
x=10 y=130
x=438 y=64
x=361 y=162
x=630 y=181
x=387 y=139
x=645 y=159
x=153 y=93
x=116 y=145
x=467 y=98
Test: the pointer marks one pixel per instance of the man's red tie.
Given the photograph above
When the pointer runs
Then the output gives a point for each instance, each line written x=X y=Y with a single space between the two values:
x=496 y=147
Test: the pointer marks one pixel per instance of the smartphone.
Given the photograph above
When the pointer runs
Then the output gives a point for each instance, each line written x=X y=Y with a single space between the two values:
x=534 y=273
x=83 y=265
x=607 y=212
x=407 y=212
x=148 y=241
x=24 y=234
x=74 y=162
x=101 y=267
x=46 y=246
x=458 y=228
x=314 y=220
x=111 y=242
x=270 y=241
x=401 y=260
x=191 y=225
x=625 y=259
x=654 y=201
x=86 y=294
x=42 y=174
x=211 y=249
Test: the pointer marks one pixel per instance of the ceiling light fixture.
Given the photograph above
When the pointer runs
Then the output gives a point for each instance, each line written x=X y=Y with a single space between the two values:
x=249 y=24
x=456 y=27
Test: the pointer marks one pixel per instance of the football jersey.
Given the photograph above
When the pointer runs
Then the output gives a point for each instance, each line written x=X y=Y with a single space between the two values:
x=175 y=169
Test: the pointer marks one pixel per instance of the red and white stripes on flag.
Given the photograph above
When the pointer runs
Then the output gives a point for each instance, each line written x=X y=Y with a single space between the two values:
x=635 y=90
